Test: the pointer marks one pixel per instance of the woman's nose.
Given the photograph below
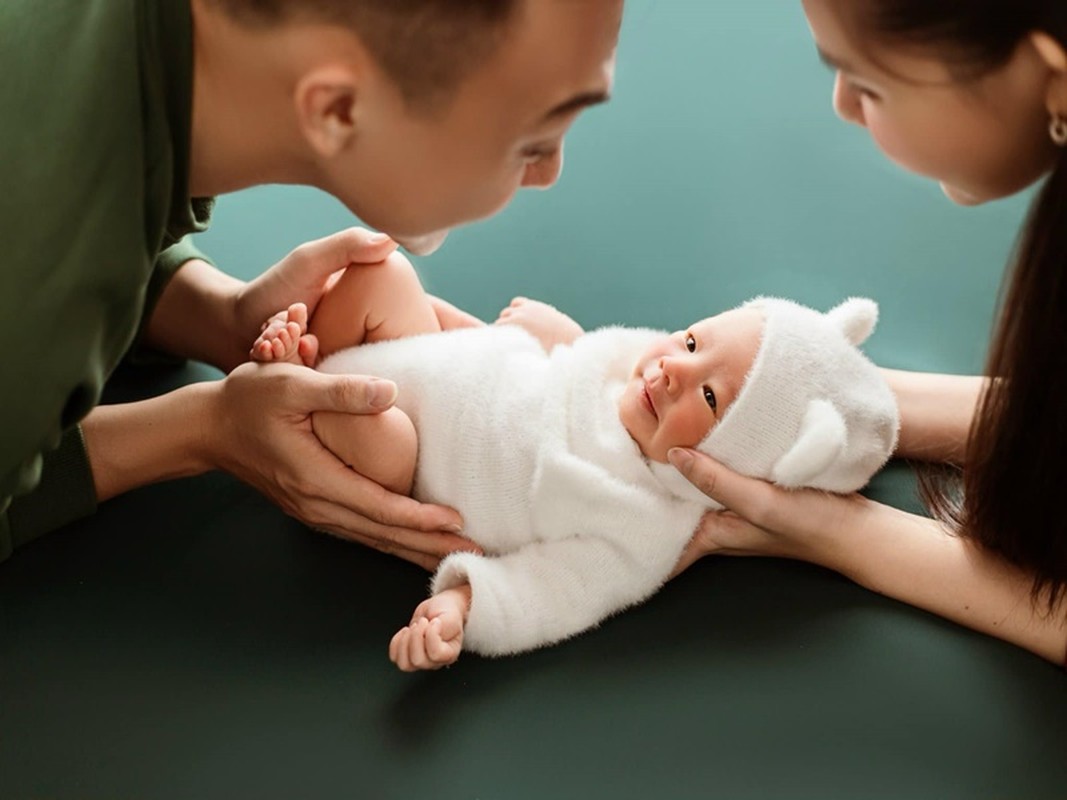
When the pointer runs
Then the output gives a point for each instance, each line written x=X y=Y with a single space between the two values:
x=847 y=103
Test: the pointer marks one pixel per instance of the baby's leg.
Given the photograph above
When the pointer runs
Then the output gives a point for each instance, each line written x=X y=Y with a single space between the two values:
x=373 y=303
x=370 y=304
x=382 y=447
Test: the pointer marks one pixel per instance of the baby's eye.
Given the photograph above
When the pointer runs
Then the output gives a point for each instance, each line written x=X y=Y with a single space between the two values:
x=709 y=396
x=690 y=343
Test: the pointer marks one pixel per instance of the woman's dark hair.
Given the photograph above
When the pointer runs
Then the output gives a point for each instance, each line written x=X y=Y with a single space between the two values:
x=1016 y=462
x=426 y=46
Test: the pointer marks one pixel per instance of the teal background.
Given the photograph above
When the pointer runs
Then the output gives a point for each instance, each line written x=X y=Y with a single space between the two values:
x=190 y=641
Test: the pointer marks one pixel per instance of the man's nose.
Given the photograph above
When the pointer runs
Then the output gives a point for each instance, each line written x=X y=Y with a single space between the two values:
x=543 y=173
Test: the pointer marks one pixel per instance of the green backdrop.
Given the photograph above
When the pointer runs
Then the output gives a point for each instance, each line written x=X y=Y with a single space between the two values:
x=190 y=641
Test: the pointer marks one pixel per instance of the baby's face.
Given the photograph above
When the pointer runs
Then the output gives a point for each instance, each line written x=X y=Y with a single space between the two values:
x=685 y=382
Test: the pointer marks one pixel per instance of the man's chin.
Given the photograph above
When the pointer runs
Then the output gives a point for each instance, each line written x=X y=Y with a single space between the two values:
x=422 y=245
x=961 y=197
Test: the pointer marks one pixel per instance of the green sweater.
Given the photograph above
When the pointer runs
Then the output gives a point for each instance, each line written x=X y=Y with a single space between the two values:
x=95 y=111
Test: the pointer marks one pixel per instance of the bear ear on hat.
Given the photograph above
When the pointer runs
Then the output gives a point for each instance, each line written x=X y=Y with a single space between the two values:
x=855 y=318
x=821 y=440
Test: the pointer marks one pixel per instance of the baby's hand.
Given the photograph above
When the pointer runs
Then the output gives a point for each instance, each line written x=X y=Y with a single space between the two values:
x=434 y=638
x=284 y=337
x=548 y=324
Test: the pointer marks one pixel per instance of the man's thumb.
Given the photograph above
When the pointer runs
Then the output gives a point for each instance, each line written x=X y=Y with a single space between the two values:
x=356 y=394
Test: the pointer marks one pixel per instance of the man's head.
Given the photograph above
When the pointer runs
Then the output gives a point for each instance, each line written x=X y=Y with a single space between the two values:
x=421 y=115
x=425 y=46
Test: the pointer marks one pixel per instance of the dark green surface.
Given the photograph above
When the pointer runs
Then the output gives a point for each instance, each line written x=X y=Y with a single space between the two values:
x=192 y=642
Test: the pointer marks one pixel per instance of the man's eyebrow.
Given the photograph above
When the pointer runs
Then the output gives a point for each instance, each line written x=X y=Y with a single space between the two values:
x=576 y=103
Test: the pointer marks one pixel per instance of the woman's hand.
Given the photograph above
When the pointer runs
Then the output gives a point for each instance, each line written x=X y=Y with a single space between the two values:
x=258 y=428
x=904 y=556
x=762 y=519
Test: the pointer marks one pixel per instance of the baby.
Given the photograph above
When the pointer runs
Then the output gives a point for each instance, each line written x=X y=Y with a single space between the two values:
x=553 y=442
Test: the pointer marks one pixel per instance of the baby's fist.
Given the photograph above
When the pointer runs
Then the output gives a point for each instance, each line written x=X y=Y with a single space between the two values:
x=434 y=638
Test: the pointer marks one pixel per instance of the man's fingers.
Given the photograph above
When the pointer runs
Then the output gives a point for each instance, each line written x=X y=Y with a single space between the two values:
x=350 y=246
x=347 y=499
x=347 y=394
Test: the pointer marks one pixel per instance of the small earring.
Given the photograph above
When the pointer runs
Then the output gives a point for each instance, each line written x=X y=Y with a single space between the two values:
x=1057 y=129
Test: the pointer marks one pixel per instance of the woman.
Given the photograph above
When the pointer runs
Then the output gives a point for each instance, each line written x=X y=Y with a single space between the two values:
x=973 y=95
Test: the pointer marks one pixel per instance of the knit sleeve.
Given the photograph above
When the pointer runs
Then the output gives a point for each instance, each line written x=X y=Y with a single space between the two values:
x=544 y=592
x=167 y=264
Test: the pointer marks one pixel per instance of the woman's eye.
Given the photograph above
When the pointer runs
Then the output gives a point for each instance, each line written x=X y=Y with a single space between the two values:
x=709 y=396
x=864 y=92
x=690 y=343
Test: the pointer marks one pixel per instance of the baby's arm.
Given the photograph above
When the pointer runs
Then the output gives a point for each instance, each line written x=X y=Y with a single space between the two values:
x=547 y=324
x=547 y=591
x=434 y=637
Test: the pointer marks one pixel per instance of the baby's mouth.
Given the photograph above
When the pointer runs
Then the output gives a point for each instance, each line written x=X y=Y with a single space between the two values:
x=646 y=399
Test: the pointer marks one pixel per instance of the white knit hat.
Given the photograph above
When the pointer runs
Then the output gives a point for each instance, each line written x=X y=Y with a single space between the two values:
x=813 y=410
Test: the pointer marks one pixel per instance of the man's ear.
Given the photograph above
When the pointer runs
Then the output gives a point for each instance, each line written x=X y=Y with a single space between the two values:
x=325 y=100
x=1054 y=55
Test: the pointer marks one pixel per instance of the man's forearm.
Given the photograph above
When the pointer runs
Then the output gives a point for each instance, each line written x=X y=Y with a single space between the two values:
x=135 y=444
x=195 y=317
x=936 y=413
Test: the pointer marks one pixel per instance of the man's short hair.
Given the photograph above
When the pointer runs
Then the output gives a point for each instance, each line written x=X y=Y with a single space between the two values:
x=427 y=47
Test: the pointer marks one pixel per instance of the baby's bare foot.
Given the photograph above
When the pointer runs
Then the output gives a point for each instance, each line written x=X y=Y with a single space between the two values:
x=283 y=338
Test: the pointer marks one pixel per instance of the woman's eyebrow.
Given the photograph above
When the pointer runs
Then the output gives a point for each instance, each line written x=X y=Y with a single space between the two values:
x=833 y=62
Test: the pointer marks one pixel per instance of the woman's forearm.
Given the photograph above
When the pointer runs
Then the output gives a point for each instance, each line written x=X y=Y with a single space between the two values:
x=135 y=444
x=936 y=412
x=913 y=559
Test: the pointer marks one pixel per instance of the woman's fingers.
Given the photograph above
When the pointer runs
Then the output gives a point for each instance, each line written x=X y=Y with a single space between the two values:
x=753 y=499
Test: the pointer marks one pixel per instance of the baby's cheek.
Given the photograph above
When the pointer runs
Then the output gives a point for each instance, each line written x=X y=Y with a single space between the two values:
x=692 y=427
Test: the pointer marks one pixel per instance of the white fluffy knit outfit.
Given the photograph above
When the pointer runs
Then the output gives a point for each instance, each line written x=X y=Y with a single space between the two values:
x=575 y=523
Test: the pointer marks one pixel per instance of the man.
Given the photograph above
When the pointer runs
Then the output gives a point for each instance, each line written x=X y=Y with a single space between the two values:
x=418 y=114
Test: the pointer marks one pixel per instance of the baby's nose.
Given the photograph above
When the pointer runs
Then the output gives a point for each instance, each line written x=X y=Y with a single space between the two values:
x=668 y=367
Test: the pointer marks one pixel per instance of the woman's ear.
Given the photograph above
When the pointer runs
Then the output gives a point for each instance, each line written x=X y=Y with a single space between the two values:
x=325 y=101
x=1053 y=53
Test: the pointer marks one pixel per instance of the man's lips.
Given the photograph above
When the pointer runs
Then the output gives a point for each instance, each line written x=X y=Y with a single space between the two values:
x=646 y=400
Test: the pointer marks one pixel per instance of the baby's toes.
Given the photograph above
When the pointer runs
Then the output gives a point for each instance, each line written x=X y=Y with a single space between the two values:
x=298 y=314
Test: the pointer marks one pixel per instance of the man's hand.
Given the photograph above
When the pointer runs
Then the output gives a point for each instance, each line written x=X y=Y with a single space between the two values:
x=258 y=428
x=207 y=315
x=304 y=276
x=434 y=638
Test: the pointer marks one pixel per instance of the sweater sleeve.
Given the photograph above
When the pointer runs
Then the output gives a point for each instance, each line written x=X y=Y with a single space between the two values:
x=603 y=545
x=545 y=592
x=64 y=493
x=169 y=262
x=50 y=489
